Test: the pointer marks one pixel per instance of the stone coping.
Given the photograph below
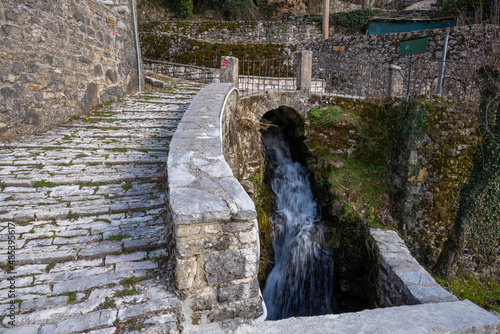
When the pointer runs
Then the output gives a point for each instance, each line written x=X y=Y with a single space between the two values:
x=402 y=280
x=202 y=187
x=441 y=318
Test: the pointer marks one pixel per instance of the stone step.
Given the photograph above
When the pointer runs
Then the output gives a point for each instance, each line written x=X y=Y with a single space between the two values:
x=35 y=158
x=102 y=303
x=137 y=124
x=86 y=203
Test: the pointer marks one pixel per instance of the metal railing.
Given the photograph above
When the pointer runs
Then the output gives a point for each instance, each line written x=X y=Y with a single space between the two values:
x=457 y=81
x=349 y=79
x=260 y=76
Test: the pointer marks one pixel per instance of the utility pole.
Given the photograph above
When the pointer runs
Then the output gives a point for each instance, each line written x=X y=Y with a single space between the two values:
x=326 y=17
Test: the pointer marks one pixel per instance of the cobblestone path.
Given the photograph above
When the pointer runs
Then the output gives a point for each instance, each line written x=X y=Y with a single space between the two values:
x=83 y=203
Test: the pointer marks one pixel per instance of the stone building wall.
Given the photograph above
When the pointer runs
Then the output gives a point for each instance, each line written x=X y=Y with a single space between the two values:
x=62 y=58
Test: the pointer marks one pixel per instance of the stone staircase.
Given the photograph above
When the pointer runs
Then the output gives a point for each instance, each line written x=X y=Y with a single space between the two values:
x=84 y=205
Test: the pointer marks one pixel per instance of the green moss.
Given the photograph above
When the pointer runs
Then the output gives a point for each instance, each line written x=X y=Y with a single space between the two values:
x=43 y=183
x=118 y=237
x=484 y=292
x=125 y=293
x=71 y=296
x=348 y=145
x=264 y=205
x=107 y=303
x=179 y=49
x=129 y=282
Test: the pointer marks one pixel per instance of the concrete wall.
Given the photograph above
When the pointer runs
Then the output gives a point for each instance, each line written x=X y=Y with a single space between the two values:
x=61 y=58
x=211 y=218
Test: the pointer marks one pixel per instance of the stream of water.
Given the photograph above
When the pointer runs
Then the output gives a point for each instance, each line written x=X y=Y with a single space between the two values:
x=301 y=282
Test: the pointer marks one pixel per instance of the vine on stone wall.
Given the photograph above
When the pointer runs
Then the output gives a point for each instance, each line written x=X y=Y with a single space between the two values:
x=477 y=224
x=411 y=127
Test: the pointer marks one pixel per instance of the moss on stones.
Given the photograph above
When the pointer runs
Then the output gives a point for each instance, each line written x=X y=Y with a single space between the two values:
x=178 y=49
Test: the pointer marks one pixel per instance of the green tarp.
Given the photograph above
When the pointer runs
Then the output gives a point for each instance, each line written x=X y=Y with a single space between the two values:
x=391 y=27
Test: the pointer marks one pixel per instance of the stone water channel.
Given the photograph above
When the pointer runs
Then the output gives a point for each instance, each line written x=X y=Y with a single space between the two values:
x=301 y=282
x=84 y=202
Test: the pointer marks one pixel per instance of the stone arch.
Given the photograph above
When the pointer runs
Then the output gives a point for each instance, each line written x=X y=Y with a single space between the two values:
x=290 y=123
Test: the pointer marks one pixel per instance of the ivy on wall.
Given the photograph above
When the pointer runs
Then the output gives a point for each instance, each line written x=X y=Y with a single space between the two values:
x=477 y=224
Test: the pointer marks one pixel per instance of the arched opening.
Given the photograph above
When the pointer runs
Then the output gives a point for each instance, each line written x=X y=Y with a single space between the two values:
x=289 y=123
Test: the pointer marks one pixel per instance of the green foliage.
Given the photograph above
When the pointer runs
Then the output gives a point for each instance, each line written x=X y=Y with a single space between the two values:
x=160 y=259
x=411 y=121
x=107 y=303
x=353 y=20
x=477 y=226
x=127 y=283
x=468 y=7
x=125 y=293
x=71 y=297
x=185 y=8
x=483 y=291
x=321 y=117
x=240 y=10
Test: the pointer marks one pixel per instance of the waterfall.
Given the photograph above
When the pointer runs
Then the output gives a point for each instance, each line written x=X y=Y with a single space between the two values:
x=301 y=282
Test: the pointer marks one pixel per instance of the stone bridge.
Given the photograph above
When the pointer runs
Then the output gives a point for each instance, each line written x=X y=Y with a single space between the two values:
x=93 y=243
x=212 y=221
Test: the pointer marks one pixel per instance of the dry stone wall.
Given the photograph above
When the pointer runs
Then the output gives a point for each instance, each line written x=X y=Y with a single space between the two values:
x=292 y=31
x=61 y=58
x=212 y=219
x=188 y=72
x=466 y=44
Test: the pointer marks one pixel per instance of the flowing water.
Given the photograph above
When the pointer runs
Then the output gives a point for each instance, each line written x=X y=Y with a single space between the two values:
x=301 y=282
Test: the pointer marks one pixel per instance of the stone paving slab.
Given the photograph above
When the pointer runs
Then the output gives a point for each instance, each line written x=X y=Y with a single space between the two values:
x=439 y=318
x=84 y=206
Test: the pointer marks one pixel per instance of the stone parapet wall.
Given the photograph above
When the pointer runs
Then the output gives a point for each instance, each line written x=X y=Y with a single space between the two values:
x=211 y=217
x=401 y=280
x=62 y=58
x=188 y=72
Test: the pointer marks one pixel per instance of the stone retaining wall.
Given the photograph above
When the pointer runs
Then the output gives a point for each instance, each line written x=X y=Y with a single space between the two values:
x=188 y=72
x=61 y=58
x=292 y=31
x=212 y=219
x=401 y=280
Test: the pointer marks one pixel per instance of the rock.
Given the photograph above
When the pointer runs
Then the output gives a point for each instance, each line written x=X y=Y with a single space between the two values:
x=224 y=267
x=81 y=323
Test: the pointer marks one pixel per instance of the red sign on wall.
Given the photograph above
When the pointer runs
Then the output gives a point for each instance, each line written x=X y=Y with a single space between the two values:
x=223 y=64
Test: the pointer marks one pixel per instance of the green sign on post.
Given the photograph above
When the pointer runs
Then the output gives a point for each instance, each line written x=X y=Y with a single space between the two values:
x=413 y=46
x=409 y=47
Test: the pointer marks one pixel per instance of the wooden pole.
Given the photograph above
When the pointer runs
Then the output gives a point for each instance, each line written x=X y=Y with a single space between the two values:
x=326 y=17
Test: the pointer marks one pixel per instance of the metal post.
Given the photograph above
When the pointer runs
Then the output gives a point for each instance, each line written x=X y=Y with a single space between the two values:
x=409 y=79
x=137 y=54
x=326 y=18
x=443 y=62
